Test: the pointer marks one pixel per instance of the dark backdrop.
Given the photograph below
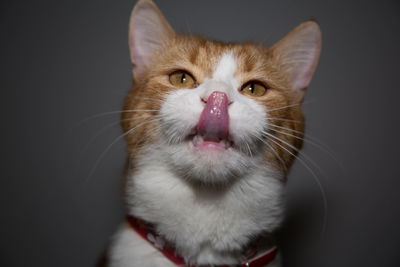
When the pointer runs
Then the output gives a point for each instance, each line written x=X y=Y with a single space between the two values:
x=64 y=61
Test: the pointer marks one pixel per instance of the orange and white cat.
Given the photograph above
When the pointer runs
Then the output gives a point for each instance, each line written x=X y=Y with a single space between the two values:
x=211 y=130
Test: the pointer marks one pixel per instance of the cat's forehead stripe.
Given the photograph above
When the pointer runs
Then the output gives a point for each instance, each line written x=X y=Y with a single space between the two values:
x=225 y=68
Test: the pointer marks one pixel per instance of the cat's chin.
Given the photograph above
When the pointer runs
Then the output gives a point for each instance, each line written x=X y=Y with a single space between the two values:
x=206 y=161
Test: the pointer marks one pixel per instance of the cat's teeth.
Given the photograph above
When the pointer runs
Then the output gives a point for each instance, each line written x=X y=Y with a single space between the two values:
x=227 y=143
x=224 y=143
x=194 y=140
x=197 y=139
x=200 y=138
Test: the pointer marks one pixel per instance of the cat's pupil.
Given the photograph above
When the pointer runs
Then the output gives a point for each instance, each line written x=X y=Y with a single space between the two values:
x=251 y=88
x=183 y=78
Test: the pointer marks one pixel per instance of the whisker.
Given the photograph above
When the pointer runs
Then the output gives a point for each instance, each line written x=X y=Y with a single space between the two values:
x=297 y=150
x=150 y=98
x=115 y=141
x=318 y=142
x=289 y=106
x=248 y=147
x=110 y=113
x=93 y=138
x=321 y=188
x=315 y=144
x=292 y=135
x=273 y=151
x=151 y=130
x=285 y=128
x=282 y=119
x=277 y=155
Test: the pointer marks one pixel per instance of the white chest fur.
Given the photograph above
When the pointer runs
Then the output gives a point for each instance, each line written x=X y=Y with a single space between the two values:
x=207 y=224
x=130 y=250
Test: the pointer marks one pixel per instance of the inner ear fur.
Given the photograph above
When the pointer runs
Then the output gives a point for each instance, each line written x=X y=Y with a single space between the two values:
x=297 y=56
x=148 y=33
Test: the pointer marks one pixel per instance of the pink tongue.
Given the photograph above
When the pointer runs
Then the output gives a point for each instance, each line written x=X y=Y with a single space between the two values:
x=214 y=120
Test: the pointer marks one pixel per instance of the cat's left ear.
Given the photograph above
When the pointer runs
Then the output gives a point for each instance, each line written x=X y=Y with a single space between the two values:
x=297 y=55
x=148 y=33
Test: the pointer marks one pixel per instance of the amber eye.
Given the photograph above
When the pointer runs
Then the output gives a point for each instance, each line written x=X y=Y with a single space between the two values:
x=253 y=88
x=182 y=79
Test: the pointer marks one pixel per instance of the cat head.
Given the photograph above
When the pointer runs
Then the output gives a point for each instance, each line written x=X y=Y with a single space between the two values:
x=216 y=111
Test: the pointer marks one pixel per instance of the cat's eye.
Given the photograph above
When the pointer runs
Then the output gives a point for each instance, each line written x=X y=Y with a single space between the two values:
x=253 y=88
x=182 y=79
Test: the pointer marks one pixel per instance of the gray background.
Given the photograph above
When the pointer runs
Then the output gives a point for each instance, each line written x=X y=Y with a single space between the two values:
x=63 y=61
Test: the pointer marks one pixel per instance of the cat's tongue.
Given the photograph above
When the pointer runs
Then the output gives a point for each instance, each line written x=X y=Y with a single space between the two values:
x=213 y=124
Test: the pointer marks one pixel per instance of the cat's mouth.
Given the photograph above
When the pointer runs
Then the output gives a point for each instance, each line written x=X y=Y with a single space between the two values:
x=207 y=143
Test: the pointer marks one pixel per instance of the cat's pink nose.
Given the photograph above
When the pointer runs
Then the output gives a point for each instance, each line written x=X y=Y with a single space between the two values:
x=213 y=124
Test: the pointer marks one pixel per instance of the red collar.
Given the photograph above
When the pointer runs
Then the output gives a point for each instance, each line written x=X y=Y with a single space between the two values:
x=145 y=231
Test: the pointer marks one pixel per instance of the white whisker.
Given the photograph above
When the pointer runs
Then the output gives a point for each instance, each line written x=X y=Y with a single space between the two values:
x=288 y=134
x=282 y=119
x=277 y=155
x=323 y=194
x=109 y=113
x=315 y=144
x=93 y=138
x=273 y=151
x=115 y=141
x=289 y=106
x=248 y=147
x=297 y=150
x=147 y=135
x=288 y=129
x=150 y=98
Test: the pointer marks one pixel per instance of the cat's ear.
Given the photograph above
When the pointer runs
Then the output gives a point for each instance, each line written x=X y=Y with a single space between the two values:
x=297 y=55
x=148 y=32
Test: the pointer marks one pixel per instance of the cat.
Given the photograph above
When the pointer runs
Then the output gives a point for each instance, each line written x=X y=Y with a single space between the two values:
x=211 y=130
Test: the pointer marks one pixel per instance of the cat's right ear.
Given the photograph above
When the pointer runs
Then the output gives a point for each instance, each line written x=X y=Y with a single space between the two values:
x=148 y=32
x=297 y=55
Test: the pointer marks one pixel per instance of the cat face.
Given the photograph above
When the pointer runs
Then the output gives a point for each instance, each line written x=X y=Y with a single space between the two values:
x=216 y=111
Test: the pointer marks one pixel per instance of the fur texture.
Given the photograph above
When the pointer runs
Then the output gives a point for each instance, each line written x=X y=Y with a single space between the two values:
x=210 y=202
